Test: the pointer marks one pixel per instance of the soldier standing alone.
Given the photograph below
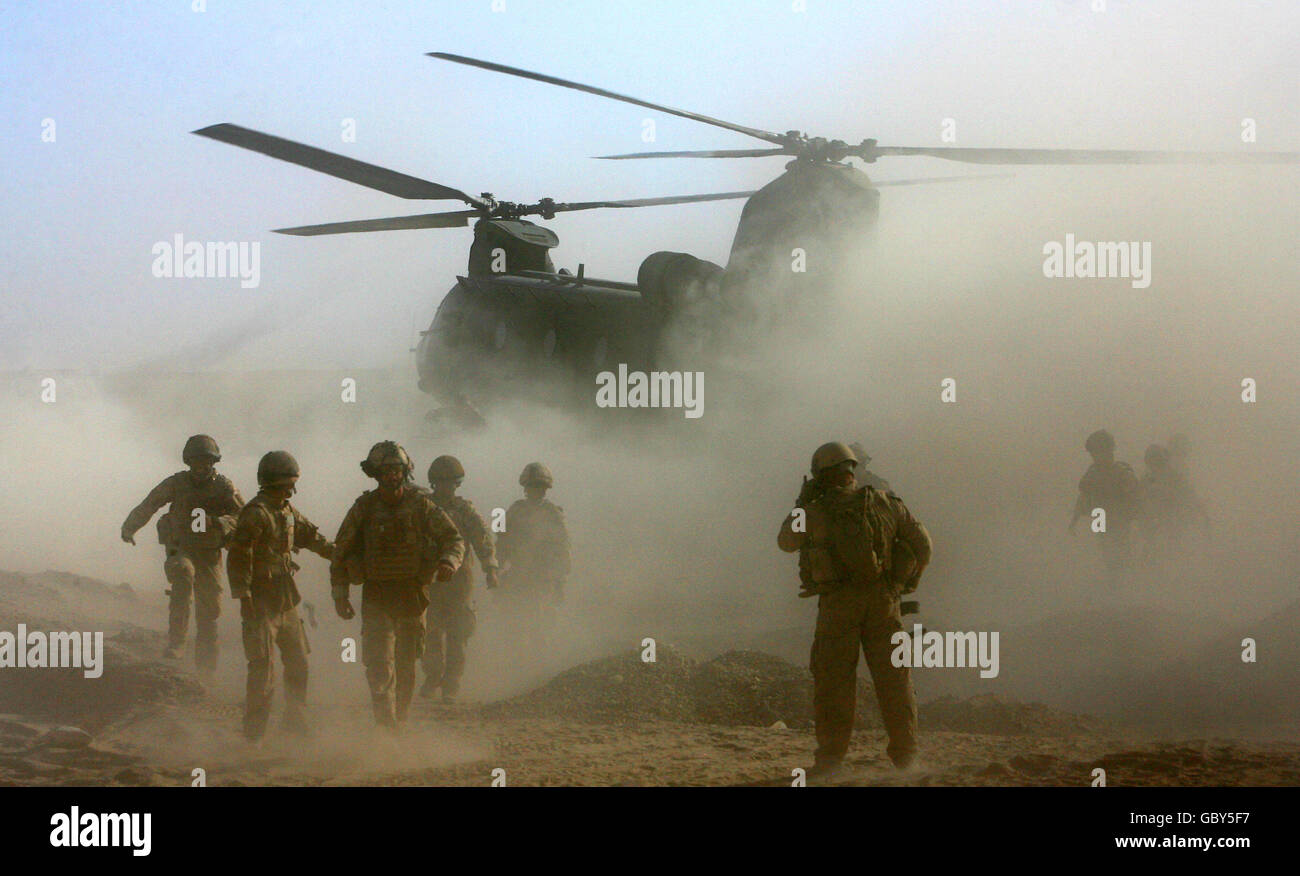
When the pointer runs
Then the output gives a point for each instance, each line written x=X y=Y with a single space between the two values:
x=394 y=542
x=451 y=611
x=203 y=505
x=859 y=550
x=260 y=566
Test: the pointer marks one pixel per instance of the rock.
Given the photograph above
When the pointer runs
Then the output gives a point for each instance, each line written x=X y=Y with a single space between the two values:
x=64 y=737
x=1033 y=764
x=779 y=725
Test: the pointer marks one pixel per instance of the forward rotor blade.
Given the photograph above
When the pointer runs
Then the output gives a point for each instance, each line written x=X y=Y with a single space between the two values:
x=702 y=153
x=650 y=202
x=342 y=167
x=1084 y=156
x=455 y=219
x=590 y=89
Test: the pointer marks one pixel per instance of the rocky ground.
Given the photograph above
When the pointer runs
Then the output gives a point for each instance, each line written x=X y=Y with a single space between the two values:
x=741 y=718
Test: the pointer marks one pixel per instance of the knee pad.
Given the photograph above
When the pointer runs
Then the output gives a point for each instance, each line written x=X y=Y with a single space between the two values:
x=179 y=569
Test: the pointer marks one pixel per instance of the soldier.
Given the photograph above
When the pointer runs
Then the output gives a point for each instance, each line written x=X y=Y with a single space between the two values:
x=393 y=542
x=261 y=569
x=860 y=549
x=1168 y=503
x=864 y=476
x=1113 y=487
x=203 y=505
x=535 y=544
x=451 y=611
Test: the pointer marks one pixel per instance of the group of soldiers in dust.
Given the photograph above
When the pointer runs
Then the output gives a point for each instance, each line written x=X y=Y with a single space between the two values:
x=411 y=552
x=409 y=549
x=1146 y=518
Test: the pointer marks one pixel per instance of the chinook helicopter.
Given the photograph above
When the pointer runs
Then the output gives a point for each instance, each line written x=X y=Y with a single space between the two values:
x=514 y=326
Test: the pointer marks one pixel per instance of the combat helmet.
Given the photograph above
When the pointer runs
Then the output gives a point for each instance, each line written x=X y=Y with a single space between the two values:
x=200 y=445
x=860 y=452
x=1100 y=441
x=446 y=468
x=831 y=454
x=536 y=474
x=386 y=453
x=1156 y=456
x=276 y=468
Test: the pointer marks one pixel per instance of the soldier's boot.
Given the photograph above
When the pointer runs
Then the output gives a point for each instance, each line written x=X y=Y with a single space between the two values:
x=380 y=678
x=293 y=652
x=385 y=715
x=257 y=698
x=894 y=693
x=179 y=571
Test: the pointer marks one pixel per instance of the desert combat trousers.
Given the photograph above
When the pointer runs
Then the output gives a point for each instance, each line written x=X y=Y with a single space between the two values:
x=195 y=576
x=392 y=640
x=451 y=622
x=849 y=619
x=264 y=631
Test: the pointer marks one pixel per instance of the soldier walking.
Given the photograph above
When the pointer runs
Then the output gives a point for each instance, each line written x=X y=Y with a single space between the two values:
x=260 y=566
x=535 y=547
x=201 y=513
x=450 y=617
x=393 y=542
x=1113 y=487
x=860 y=549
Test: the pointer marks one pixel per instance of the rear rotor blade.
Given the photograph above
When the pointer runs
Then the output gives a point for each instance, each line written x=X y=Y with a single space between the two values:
x=455 y=219
x=590 y=89
x=342 y=167
x=703 y=153
x=1082 y=156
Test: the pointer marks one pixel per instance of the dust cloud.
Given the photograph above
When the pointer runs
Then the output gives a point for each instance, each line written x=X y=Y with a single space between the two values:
x=673 y=520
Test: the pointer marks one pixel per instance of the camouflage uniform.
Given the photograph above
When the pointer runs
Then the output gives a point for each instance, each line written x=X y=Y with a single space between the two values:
x=451 y=612
x=536 y=545
x=261 y=568
x=385 y=547
x=859 y=610
x=1114 y=487
x=193 y=564
x=1168 y=504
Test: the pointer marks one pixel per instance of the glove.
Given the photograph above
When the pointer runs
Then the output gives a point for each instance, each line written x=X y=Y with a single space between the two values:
x=343 y=608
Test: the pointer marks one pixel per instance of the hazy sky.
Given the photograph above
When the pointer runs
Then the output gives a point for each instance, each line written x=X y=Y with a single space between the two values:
x=125 y=83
